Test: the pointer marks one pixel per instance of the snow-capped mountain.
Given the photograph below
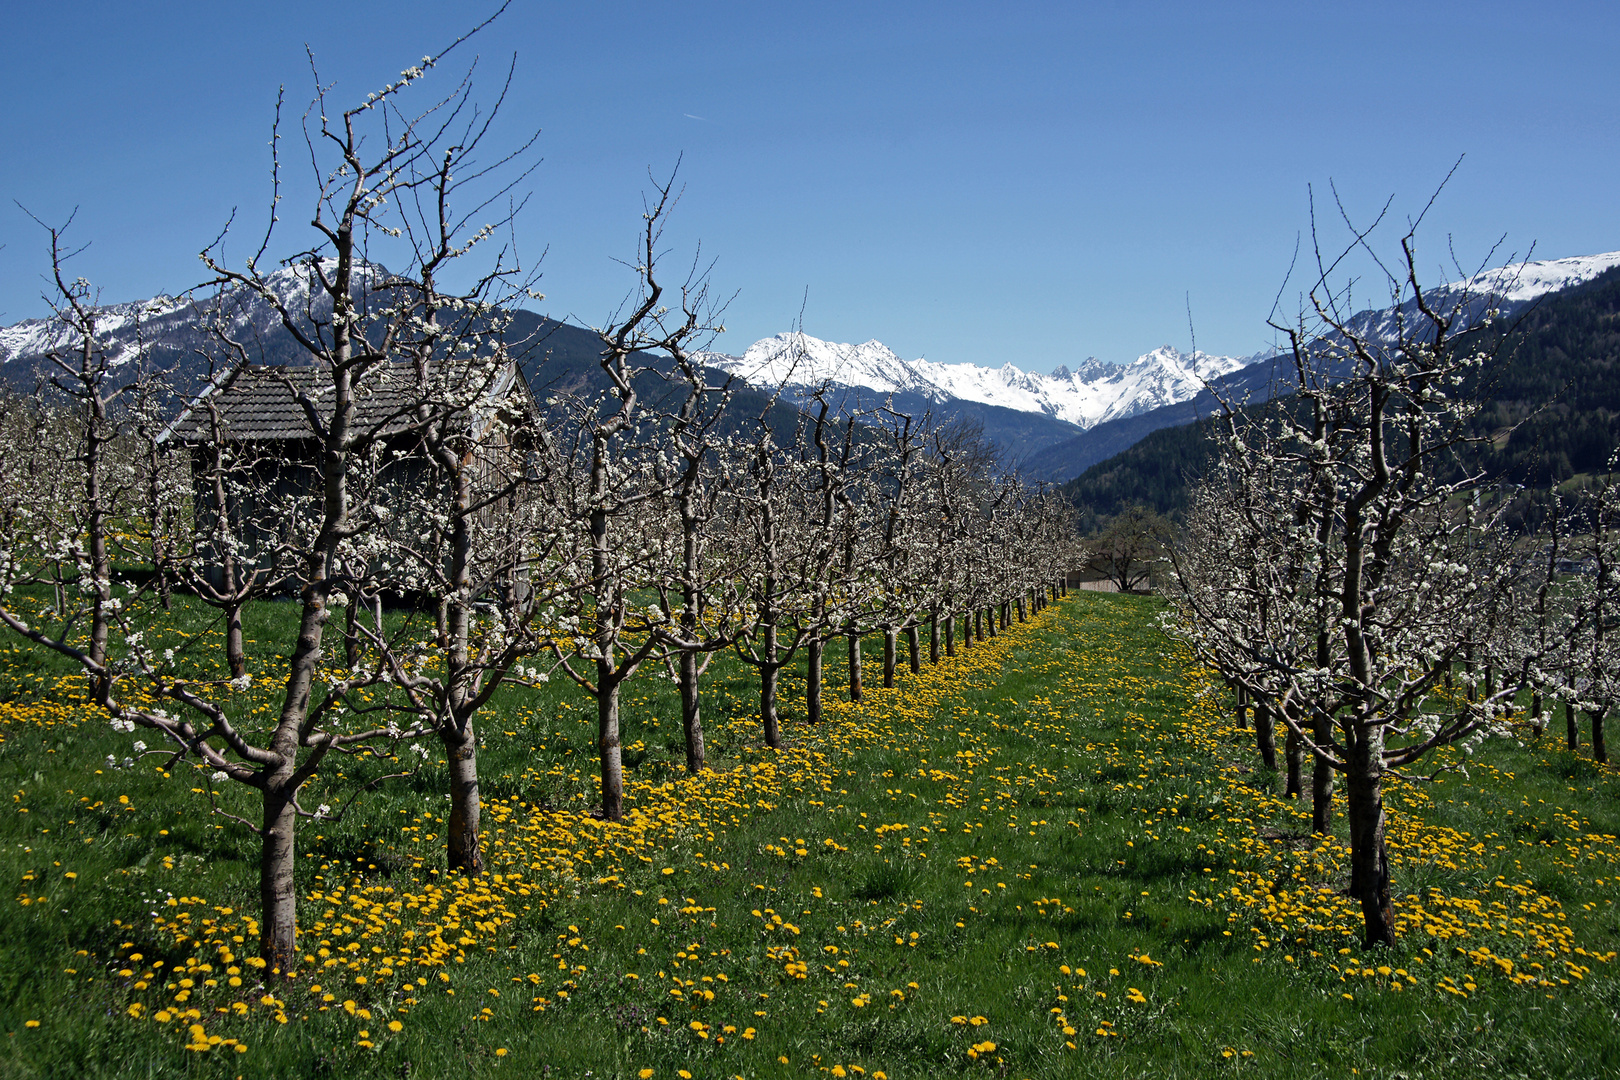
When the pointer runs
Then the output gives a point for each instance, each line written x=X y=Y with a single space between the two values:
x=170 y=329
x=1091 y=393
x=118 y=325
x=1096 y=391
x=1519 y=283
x=1061 y=421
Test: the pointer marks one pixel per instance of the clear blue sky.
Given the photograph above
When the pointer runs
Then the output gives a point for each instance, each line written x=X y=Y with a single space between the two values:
x=1031 y=183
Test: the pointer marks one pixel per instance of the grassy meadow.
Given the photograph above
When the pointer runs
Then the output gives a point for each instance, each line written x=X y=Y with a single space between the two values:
x=1051 y=856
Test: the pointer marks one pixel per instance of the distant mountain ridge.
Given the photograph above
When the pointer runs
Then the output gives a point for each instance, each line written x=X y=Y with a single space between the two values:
x=171 y=332
x=1104 y=407
x=1089 y=394
x=1552 y=408
x=1052 y=426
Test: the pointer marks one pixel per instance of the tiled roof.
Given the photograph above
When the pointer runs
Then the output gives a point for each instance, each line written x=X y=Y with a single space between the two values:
x=261 y=404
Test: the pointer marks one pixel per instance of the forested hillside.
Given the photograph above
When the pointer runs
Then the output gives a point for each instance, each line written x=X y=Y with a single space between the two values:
x=1553 y=389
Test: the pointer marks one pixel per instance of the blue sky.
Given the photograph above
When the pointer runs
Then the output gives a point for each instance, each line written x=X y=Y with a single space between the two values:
x=1024 y=183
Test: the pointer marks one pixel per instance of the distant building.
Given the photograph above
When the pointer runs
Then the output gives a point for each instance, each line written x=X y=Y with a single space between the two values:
x=253 y=425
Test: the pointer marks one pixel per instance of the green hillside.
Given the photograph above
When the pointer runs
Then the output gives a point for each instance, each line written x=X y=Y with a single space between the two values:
x=1553 y=393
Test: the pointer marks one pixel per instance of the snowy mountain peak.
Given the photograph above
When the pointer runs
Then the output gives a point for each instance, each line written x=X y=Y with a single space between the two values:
x=121 y=328
x=799 y=363
x=1519 y=282
x=1093 y=391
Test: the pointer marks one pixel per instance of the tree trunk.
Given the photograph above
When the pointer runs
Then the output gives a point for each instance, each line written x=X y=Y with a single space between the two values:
x=1294 y=754
x=1321 y=779
x=1265 y=735
x=464 y=850
x=1242 y=709
x=769 y=670
x=854 y=663
x=278 y=896
x=235 y=649
x=889 y=656
x=1572 y=733
x=1536 y=705
x=1600 y=749
x=950 y=635
x=812 y=679
x=933 y=636
x=351 y=633
x=768 y=716
x=608 y=747
x=1369 y=860
x=913 y=649
x=1020 y=608
x=691 y=712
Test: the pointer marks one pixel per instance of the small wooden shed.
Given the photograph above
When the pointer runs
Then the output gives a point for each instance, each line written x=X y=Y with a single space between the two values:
x=253 y=425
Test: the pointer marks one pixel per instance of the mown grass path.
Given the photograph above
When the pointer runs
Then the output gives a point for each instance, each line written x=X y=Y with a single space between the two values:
x=1048 y=857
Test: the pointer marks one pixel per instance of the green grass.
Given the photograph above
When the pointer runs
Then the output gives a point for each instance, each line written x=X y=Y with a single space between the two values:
x=1106 y=820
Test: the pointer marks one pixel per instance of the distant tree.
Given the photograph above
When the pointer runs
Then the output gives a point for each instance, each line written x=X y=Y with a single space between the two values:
x=828 y=446
x=1130 y=547
x=698 y=589
x=1586 y=658
x=616 y=465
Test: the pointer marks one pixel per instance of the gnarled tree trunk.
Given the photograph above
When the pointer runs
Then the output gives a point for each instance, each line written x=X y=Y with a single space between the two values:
x=854 y=638
x=1294 y=755
x=278 y=896
x=1321 y=778
x=1265 y=735
x=1369 y=858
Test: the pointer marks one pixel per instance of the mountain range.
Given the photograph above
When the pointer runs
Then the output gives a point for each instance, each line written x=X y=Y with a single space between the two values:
x=1052 y=425
x=1096 y=409
x=1549 y=391
x=1089 y=394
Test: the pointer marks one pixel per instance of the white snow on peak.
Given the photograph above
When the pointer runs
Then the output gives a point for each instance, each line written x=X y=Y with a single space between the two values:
x=115 y=326
x=119 y=328
x=1519 y=282
x=1094 y=393
x=1091 y=391
x=797 y=362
